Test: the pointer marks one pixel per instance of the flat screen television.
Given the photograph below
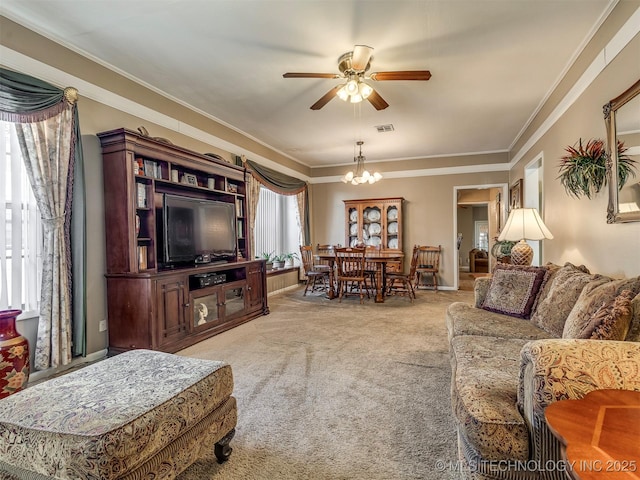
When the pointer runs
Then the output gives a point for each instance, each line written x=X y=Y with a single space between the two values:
x=192 y=228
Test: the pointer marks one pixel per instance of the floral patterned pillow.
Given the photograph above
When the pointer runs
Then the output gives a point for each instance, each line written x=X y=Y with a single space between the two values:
x=560 y=296
x=513 y=290
x=593 y=298
x=611 y=321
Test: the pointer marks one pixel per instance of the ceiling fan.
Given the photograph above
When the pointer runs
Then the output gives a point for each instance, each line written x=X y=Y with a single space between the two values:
x=353 y=68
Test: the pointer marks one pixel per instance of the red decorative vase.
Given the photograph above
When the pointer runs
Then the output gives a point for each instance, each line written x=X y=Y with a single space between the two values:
x=14 y=355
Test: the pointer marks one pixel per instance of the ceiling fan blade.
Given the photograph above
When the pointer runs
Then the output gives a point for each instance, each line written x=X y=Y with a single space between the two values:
x=326 y=98
x=377 y=101
x=311 y=75
x=361 y=57
x=402 y=75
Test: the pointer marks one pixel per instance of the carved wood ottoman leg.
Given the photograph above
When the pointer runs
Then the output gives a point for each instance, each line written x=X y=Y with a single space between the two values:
x=222 y=449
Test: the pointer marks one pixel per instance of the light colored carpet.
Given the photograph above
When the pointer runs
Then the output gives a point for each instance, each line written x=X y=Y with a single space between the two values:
x=330 y=390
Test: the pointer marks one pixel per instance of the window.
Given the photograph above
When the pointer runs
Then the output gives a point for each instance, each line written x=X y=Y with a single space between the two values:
x=21 y=234
x=277 y=225
x=482 y=235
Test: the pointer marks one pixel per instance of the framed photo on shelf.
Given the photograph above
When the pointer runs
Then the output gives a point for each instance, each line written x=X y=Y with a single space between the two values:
x=515 y=195
x=190 y=179
x=149 y=168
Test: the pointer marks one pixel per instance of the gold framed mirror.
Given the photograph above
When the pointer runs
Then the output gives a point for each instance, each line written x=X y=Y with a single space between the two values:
x=622 y=118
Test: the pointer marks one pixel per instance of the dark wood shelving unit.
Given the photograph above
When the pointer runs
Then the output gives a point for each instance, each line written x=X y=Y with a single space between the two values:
x=163 y=307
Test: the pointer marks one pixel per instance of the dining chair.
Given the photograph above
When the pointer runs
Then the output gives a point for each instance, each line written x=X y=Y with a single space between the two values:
x=404 y=279
x=351 y=277
x=312 y=272
x=324 y=249
x=370 y=268
x=428 y=265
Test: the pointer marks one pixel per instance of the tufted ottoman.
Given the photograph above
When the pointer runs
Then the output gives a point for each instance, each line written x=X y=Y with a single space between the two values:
x=141 y=414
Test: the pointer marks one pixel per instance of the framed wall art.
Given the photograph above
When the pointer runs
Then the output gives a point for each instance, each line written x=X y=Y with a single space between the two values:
x=515 y=195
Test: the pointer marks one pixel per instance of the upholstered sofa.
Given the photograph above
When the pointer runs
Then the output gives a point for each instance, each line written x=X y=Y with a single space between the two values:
x=534 y=336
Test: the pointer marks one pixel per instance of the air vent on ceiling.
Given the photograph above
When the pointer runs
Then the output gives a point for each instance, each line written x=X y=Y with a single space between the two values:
x=384 y=128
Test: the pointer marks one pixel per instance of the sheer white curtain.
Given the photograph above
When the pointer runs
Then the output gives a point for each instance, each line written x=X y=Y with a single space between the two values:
x=277 y=229
x=21 y=238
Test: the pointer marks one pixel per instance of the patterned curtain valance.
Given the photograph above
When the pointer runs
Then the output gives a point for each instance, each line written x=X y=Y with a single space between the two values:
x=25 y=99
x=276 y=181
x=284 y=185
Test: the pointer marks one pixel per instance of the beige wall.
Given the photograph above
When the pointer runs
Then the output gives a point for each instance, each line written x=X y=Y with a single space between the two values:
x=428 y=211
x=582 y=235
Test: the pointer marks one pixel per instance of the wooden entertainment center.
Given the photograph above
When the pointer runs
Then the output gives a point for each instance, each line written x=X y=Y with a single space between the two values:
x=157 y=305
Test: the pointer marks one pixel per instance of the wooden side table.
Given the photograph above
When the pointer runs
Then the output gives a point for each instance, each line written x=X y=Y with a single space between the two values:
x=600 y=434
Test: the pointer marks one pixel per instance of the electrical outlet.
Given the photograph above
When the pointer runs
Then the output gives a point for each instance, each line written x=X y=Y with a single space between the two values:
x=103 y=325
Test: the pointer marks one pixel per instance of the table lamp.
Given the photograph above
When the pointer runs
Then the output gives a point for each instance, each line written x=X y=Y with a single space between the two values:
x=523 y=224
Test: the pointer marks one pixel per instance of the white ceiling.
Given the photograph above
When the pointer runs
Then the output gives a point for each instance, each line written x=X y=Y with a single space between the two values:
x=493 y=62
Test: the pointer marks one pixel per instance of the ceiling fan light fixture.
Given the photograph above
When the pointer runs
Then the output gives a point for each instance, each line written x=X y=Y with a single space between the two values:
x=365 y=90
x=352 y=86
x=354 y=68
x=342 y=93
x=354 y=91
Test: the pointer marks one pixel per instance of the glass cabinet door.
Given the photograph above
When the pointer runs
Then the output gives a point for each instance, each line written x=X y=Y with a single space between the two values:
x=217 y=305
x=392 y=227
x=205 y=310
x=233 y=301
x=354 y=227
x=372 y=226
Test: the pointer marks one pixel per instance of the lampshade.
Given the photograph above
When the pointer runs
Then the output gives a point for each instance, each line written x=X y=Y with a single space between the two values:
x=524 y=224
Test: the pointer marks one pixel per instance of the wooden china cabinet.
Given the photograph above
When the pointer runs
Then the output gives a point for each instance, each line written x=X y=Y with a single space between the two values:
x=153 y=303
x=375 y=222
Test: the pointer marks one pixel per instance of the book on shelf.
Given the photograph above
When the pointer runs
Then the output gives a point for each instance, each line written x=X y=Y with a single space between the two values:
x=142 y=195
x=240 y=229
x=142 y=257
x=239 y=208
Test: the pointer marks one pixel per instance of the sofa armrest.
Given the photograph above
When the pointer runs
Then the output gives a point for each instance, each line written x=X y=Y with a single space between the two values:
x=480 y=289
x=559 y=369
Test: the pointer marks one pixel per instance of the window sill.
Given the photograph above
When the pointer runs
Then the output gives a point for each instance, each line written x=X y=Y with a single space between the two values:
x=28 y=315
x=281 y=271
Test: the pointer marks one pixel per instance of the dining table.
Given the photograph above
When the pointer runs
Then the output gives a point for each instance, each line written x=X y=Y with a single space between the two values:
x=378 y=257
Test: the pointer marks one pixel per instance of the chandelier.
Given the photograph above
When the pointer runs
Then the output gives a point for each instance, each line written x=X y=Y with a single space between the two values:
x=355 y=90
x=360 y=175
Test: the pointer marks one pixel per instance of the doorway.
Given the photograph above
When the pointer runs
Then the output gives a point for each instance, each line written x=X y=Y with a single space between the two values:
x=479 y=214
